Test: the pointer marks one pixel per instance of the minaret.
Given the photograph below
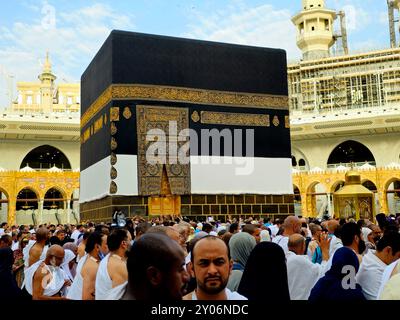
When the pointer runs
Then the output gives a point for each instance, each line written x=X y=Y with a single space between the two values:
x=315 y=34
x=47 y=79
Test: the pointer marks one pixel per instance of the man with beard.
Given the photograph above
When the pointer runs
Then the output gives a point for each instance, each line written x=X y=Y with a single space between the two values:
x=45 y=279
x=112 y=269
x=211 y=265
x=155 y=270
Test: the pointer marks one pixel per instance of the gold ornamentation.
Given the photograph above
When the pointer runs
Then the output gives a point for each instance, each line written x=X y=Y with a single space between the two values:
x=86 y=135
x=114 y=144
x=287 y=122
x=235 y=119
x=127 y=113
x=113 y=188
x=150 y=175
x=114 y=114
x=113 y=173
x=276 y=121
x=195 y=116
x=176 y=94
x=105 y=118
x=113 y=129
x=113 y=159
x=98 y=125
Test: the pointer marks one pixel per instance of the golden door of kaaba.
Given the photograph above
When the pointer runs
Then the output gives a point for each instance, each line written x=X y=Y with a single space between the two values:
x=161 y=175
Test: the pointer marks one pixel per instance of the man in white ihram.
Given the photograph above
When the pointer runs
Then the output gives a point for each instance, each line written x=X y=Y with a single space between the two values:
x=112 y=270
x=302 y=273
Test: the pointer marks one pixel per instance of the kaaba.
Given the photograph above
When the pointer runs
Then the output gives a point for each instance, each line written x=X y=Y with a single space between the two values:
x=173 y=126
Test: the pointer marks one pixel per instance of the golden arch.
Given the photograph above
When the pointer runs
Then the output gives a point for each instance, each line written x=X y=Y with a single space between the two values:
x=390 y=181
x=313 y=184
x=335 y=184
x=37 y=193
x=5 y=193
x=61 y=190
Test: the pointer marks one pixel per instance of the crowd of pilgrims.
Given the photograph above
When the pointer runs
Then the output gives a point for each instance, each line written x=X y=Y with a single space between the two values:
x=169 y=260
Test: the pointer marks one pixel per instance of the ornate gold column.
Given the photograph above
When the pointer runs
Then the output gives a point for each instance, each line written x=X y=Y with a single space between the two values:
x=383 y=202
x=304 y=211
x=11 y=214
x=68 y=210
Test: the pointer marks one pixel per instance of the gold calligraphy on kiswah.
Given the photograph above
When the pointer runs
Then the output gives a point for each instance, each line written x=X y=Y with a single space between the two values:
x=235 y=119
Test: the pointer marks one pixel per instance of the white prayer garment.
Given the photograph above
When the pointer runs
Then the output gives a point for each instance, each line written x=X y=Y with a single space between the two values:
x=302 y=275
x=53 y=287
x=283 y=242
x=370 y=274
x=103 y=280
x=76 y=290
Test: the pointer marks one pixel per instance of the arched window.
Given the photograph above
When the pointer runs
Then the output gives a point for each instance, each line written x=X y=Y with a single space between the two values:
x=45 y=157
x=27 y=200
x=302 y=163
x=350 y=152
x=294 y=161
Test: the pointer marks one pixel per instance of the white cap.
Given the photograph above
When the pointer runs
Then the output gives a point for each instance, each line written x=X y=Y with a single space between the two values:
x=213 y=233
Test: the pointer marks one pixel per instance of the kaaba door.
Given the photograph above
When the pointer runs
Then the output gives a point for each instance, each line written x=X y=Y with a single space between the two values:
x=161 y=125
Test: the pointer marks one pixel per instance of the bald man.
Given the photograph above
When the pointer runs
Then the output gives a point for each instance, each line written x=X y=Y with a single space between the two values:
x=36 y=251
x=302 y=273
x=291 y=225
x=46 y=279
x=336 y=243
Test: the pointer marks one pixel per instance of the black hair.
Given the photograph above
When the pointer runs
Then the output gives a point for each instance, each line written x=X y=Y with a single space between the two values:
x=233 y=227
x=94 y=238
x=86 y=235
x=390 y=239
x=115 y=239
x=142 y=228
x=3 y=224
x=207 y=227
x=348 y=232
x=208 y=238
x=249 y=228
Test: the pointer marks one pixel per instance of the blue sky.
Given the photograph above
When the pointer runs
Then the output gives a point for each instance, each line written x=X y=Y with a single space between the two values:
x=73 y=30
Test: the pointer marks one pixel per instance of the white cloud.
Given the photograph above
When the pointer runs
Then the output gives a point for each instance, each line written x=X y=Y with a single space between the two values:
x=258 y=26
x=72 y=41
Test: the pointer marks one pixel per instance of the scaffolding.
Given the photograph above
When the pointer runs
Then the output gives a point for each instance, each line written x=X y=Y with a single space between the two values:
x=347 y=82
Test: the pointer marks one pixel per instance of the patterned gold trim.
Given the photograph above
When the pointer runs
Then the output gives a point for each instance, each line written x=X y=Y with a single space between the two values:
x=113 y=173
x=287 y=122
x=127 y=113
x=114 y=144
x=235 y=119
x=114 y=129
x=114 y=114
x=195 y=116
x=113 y=159
x=105 y=118
x=177 y=94
x=113 y=188
x=98 y=125
x=276 y=121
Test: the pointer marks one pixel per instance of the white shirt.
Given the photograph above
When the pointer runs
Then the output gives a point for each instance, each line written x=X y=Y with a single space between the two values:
x=229 y=295
x=335 y=244
x=75 y=235
x=103 y=280
x=370 y=274
x=75 y=292
x=283 y=242
x=15 y=245
x=302 y=275
x=274 y=230
x=387 y=274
